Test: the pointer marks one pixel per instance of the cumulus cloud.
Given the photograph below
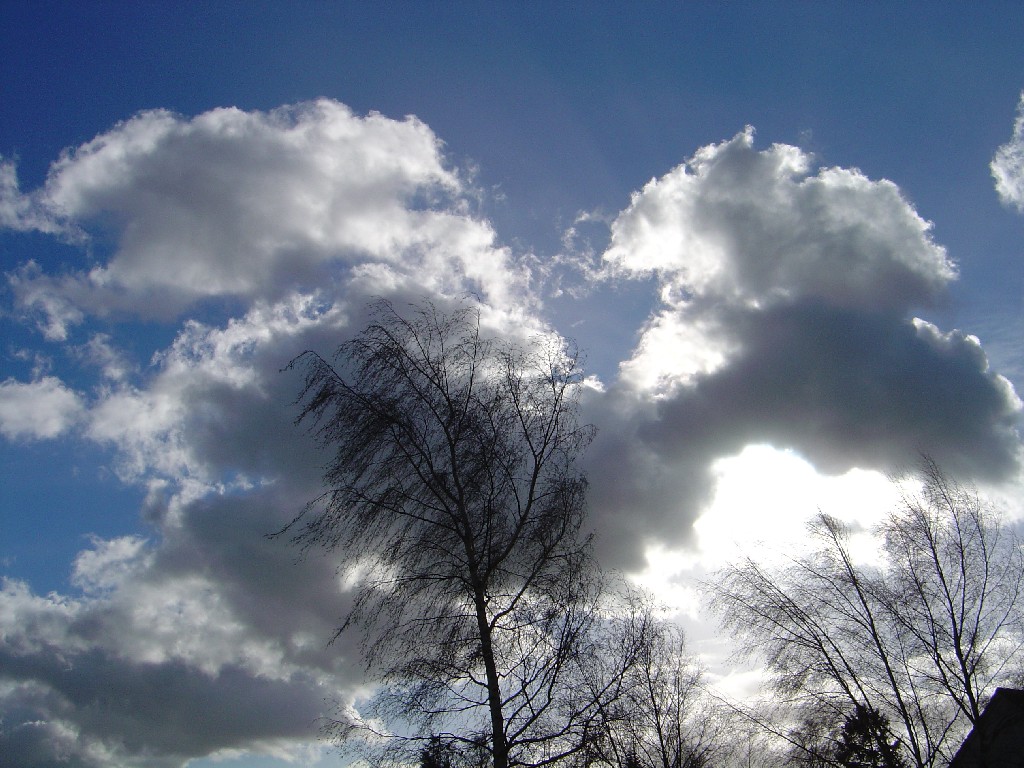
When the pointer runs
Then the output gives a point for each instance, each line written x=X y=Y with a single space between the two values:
x=785 y=316
x=214 y=404
x=848 y=389
x=1008 y=165
x=209 y=638
x=90 y=709
x=302 y=215
x=253 y=205
x=754 y=227
x=787 y=319
x=213 y=641
x=38 y=409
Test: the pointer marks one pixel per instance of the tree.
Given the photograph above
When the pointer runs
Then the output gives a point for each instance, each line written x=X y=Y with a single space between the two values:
x=453 y=492
x=664 y=719
x=447 y=754
x=866 y=741
x=922 y=640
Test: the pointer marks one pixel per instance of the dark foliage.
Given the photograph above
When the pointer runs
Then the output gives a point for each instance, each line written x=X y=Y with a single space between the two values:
x=866 y=741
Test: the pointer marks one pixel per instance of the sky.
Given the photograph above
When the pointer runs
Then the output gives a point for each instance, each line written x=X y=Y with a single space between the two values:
x=788 y=237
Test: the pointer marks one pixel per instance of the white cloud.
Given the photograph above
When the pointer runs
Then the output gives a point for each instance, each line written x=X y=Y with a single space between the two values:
x=1008 y=165
x=674 y=349
x=754 y=228
x=41 y=297
x=38 y=409
x=253 y=204
x=107 y=563
x=21 y=212
x=101 y=352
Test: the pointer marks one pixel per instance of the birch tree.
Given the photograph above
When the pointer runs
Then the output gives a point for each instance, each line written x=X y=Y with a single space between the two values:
x=453 y=493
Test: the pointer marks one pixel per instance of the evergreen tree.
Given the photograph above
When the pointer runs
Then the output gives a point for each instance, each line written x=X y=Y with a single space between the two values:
x=866 y=741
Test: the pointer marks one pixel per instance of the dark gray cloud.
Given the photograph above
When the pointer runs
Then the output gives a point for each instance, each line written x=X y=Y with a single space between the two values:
x=149 y=714
x=215 y=639
x=847 y=388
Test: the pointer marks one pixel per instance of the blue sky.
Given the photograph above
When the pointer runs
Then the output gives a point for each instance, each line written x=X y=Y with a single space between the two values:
x=190 y=195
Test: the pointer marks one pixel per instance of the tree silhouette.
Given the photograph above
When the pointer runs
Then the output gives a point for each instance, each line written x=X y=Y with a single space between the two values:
x=454 y=498
x=921 y=641
x=866 y=741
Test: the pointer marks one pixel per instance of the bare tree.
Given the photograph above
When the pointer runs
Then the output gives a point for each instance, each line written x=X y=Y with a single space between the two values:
x=664 y=718
x=957 y=597
x=922 y=640
x=454 y=496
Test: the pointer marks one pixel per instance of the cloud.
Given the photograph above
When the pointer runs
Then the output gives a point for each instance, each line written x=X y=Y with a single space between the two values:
x=100 y=352
x=225 y=623
x=214 y=404
x=97 y=710
x=22 y=213
x=785 y=316
x=40 y=297
x=754 y=227
x=40 y=409
x=847 y=389
x=213 y=641
x=254 y=205
x=786 y=319
x=1008 y=165
x=208 y=638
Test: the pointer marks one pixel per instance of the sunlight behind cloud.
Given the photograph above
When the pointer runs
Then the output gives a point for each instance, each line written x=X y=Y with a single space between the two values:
x=765 y=497
x=762 y=501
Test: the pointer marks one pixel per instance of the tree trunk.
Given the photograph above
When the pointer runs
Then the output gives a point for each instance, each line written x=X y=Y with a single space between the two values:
x=499 y=747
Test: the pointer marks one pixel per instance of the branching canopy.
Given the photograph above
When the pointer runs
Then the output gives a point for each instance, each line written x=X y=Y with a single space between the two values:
x=454 y=496
x=922 y=641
